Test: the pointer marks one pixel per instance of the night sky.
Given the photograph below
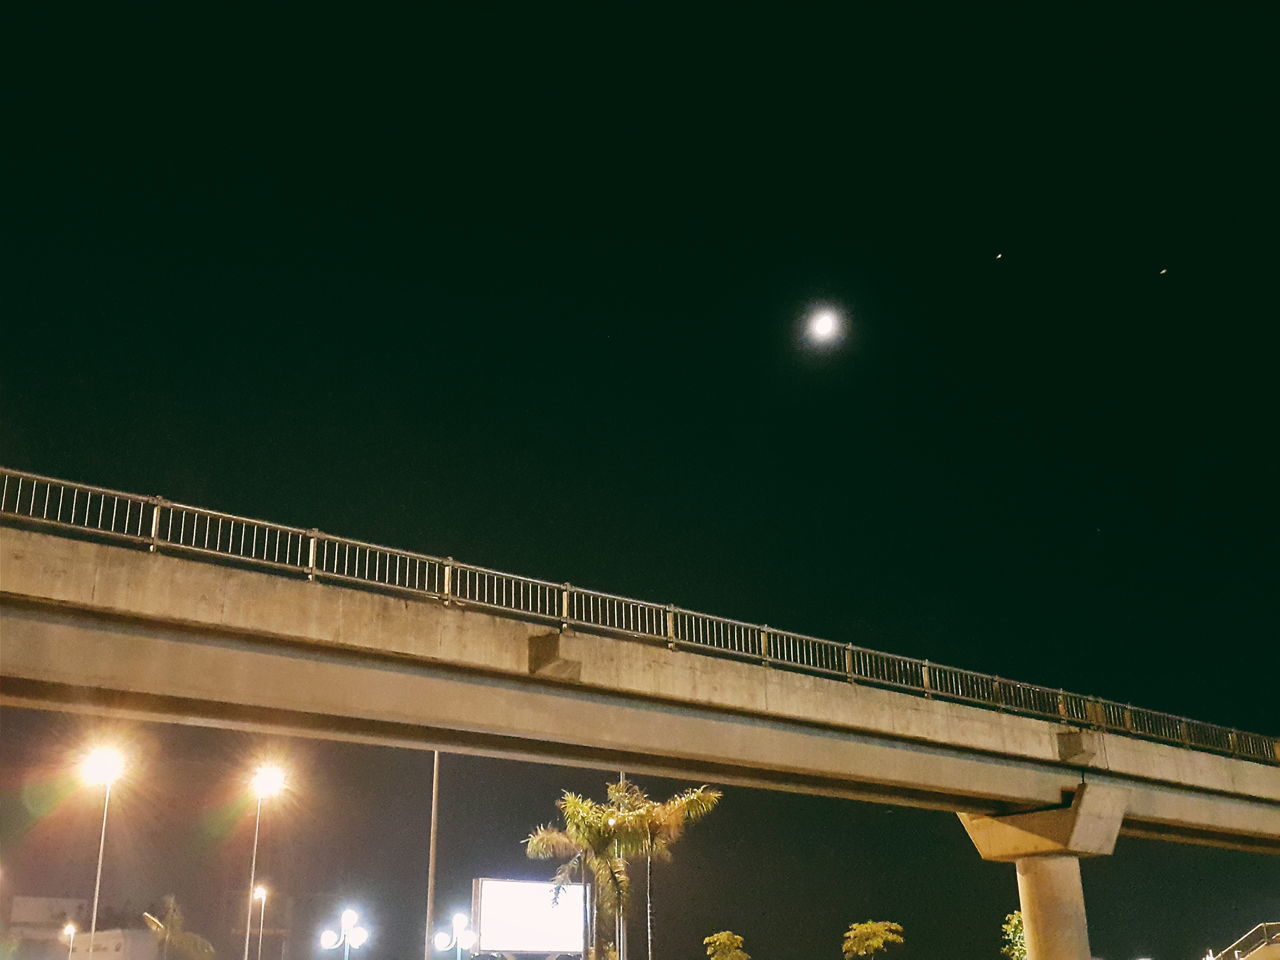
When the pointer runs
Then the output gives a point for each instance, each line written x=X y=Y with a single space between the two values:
x=527 y=289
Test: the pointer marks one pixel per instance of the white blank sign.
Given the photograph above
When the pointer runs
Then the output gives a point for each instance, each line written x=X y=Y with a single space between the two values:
x=515 y=916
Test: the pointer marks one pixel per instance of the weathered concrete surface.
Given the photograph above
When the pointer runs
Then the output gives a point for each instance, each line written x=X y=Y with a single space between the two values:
x=1086 y=828
x=103 y=627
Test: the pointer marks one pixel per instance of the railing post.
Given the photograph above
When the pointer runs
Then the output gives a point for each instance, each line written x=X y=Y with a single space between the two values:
x=448 y=580
x=155 y=523
x=764 y=645
x=671 y=627
x=848 y=662
x=924 y=679
x=311 y=556
x=1062 y=703
x=565 y=590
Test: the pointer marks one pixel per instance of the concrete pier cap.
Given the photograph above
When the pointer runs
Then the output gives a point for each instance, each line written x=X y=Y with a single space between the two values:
x=1047 y=846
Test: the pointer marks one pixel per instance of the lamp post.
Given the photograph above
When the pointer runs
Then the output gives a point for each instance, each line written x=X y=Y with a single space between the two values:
x=102 y=767
x=351 y=938
x=460 y=937
x=267 y=782
x=260 y=894
x=69 y=931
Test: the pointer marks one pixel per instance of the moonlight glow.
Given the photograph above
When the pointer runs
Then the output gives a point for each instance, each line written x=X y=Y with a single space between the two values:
x=824 y=326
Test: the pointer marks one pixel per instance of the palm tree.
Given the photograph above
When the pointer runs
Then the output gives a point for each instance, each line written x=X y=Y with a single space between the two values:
x=170 y=928
x=590 y=844
x=663 y=825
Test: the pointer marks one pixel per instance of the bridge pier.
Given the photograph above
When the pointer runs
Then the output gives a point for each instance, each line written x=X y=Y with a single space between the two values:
x=1046 y=846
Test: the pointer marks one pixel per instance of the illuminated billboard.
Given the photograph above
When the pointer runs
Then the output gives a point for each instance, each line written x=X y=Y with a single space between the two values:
x=515 y=916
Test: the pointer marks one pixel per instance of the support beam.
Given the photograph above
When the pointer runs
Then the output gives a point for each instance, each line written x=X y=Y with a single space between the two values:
x=1053 y=918
x=1047 y=846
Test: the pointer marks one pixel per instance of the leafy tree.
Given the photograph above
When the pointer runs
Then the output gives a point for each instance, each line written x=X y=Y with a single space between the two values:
x=867 y=939
x=1015 y=939
x=174 y=937
x=725 y=945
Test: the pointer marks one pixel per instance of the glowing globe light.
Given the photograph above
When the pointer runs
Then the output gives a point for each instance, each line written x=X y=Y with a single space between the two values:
x=268 y=781
x=328 y=939
x=259 y=893
x=103 y=767
x=357 y=937
x=443 y=940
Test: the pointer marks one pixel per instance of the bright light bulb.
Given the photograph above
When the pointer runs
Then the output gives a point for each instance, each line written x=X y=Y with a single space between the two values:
x=328 y=940
x=103 y=767
x=467 y=939
x=259 y=893
x=459 y=922
x=69 y=930
x=268 y=781
x=442 y=940
x=348 y=919
x=357 y=937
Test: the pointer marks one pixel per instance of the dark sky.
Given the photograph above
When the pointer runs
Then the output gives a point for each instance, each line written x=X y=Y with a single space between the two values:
x=525 y=289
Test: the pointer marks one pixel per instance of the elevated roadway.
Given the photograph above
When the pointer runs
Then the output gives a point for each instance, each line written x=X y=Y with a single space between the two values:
x=118 y=629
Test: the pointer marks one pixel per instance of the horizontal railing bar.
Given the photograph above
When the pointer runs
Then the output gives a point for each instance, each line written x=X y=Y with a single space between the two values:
x=316 y=554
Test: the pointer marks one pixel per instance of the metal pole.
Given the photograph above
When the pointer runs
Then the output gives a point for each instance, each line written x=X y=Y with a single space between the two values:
x=97 y=883
x=431 y=852
x=262 y=919
x=71 y=943
x=253 y=870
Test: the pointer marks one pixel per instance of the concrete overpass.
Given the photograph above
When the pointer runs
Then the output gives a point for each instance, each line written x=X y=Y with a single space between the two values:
x=289 y=631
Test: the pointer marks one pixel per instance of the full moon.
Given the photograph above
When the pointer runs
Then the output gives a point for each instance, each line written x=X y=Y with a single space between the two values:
x=824 y=325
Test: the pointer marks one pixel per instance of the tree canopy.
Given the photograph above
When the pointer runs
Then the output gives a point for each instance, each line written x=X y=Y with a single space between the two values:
x=725 y=945
x=867 y=939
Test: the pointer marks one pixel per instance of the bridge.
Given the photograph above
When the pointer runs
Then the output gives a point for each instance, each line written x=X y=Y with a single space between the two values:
x=135 y=606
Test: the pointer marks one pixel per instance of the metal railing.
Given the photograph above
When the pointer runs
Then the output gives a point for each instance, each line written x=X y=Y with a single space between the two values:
x=163 y=525
x=1264 y=934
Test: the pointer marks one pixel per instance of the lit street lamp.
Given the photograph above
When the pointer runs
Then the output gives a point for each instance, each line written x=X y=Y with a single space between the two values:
x=260 y=893
x=351 y=938
x=69 y=931
x=102 y=767
x=267 y=782
x=460 y=938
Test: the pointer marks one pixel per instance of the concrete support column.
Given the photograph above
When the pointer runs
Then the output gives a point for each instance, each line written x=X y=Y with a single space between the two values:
x=1046 y=846
x=1053 y=918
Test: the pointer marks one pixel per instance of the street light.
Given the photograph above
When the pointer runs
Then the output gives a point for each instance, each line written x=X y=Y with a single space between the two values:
x=459 y=938
x=267 y=782
x=102 y=767
x=69 y=931
x=260 y=893
x=351 y=938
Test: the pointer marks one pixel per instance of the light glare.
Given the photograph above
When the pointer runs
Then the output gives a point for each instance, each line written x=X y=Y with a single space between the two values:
x=103 y=766
x=824 y=326
x=268 y=781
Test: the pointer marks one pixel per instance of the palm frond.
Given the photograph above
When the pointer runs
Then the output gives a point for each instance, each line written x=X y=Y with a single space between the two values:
x=549 y=843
